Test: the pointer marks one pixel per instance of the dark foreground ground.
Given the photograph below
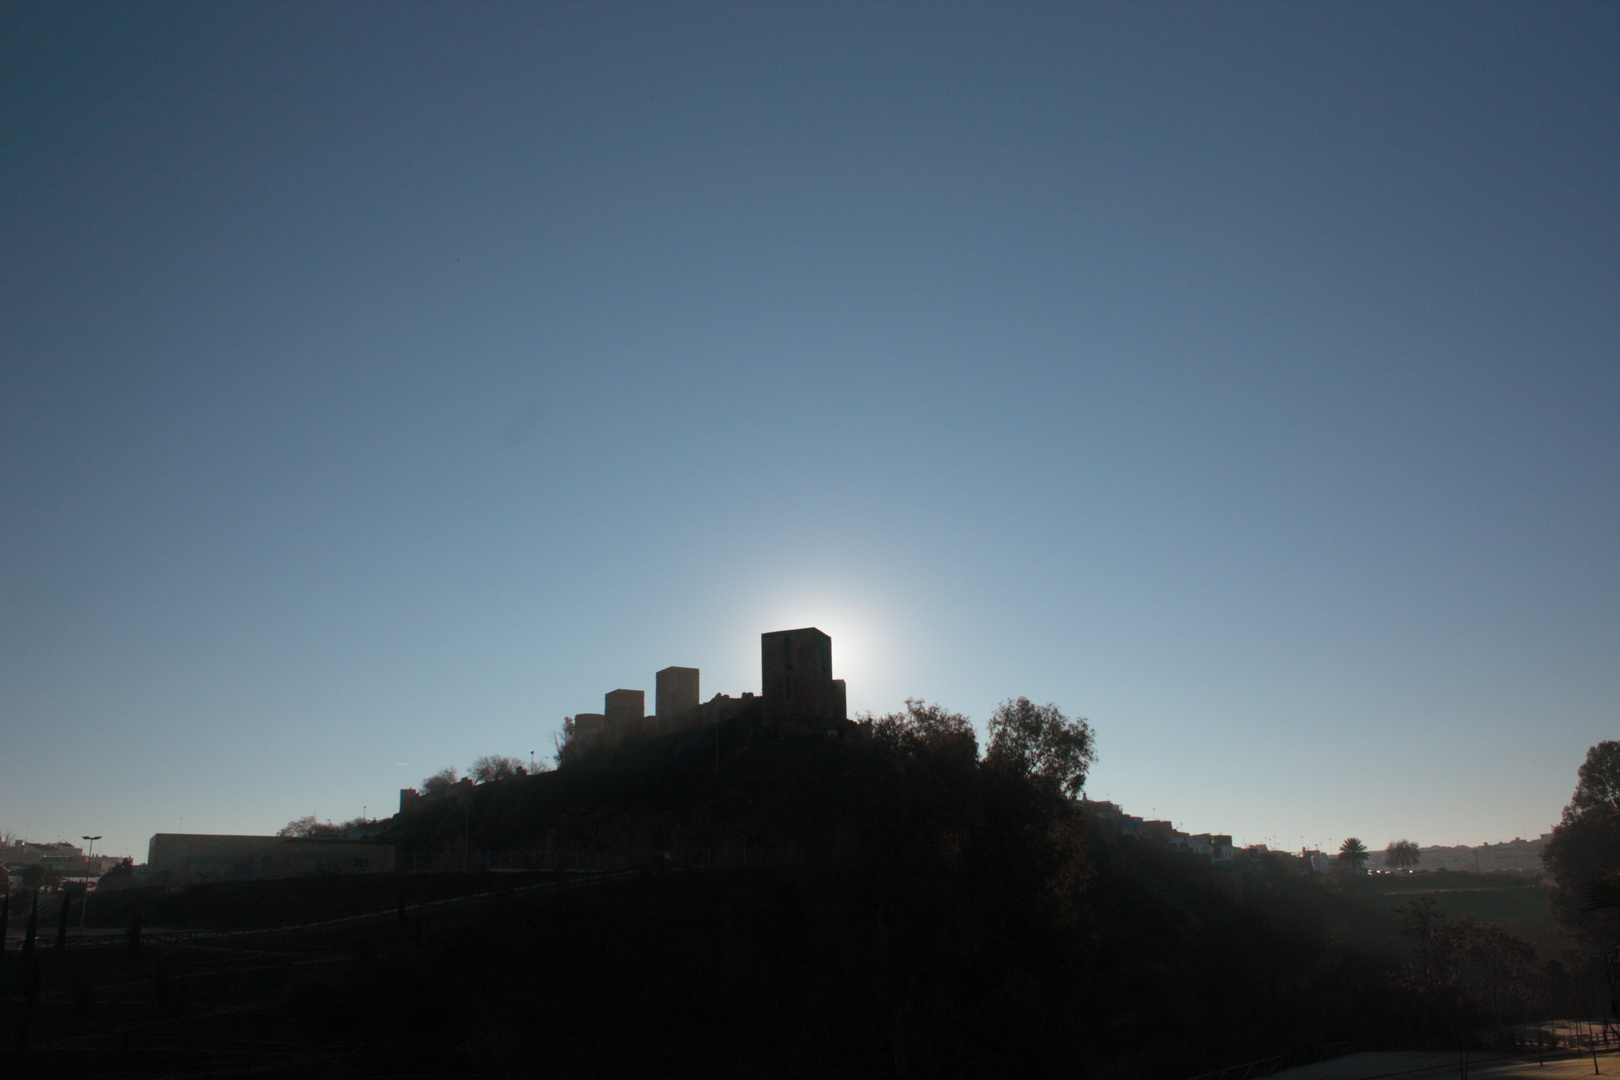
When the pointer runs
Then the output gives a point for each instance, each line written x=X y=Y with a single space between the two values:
x=701 y=973
x=523 y=975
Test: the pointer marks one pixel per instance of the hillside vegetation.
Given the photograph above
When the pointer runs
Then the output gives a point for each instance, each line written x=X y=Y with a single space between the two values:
x=927 y=911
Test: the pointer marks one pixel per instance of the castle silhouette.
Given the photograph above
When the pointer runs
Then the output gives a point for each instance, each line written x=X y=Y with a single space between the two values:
x=796 y=686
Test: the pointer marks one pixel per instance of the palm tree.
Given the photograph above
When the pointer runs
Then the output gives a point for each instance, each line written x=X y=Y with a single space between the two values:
x=1352 y=854
x=1401 y=855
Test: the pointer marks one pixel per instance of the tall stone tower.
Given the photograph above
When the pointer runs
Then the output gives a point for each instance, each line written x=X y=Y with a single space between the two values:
x=590 y=729
x=677 y=691
x=796 y=676
x=624 y=711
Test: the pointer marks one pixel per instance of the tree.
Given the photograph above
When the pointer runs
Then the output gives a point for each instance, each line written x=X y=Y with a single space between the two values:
x=493 y=767
x=1500 y=966
x=1434 y=942
x=1585 y=850
x=1605 y=893
x=1597 y=781
x=926 y=730
x=1467 y=963
x=1401 y=855
x=1039 y=741
x=441 y=782
x=119 y=877
x=1352 y=854
x=566 y=743
x=39 y=877
x=307 y=828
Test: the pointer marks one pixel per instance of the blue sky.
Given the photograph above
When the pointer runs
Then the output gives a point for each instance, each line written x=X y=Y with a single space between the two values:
x=380 y=384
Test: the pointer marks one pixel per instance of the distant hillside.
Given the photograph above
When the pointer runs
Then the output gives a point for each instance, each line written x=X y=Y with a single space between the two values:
x=1517 y=856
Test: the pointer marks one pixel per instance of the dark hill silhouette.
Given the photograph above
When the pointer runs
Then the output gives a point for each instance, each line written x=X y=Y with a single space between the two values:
x=933 y=914
x=742 y=782
x=951 y=915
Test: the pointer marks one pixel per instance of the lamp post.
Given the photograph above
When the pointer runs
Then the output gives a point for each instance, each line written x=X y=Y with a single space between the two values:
x=86 y=901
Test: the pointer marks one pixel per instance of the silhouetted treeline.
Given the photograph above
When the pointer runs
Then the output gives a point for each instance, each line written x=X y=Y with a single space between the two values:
x=930 y=912
x=945 y=914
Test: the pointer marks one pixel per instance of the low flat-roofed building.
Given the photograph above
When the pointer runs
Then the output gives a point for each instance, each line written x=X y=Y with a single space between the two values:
x=187 y=857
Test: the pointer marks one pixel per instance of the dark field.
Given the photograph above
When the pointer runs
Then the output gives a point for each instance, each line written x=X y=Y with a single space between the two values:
x=259 y=905
x=542 y=978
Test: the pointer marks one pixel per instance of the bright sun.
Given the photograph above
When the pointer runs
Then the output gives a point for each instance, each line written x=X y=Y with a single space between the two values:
x=858 y=644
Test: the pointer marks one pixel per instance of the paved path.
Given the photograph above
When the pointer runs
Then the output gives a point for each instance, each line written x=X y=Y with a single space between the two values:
x=1430 y=1065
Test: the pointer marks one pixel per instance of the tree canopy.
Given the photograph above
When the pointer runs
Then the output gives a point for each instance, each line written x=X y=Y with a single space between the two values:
x=38 y=876
x=493 y=767
x=441 y=781
x=1401 y=855
x=926 y=729
x=1584 y=850
x=1352 y=854
x=1039 y=741
x=1597 y=781
x=119 y=877
x=307 y=828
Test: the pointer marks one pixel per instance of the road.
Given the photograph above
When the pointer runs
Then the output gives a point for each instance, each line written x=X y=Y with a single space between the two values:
x=1430 y=1065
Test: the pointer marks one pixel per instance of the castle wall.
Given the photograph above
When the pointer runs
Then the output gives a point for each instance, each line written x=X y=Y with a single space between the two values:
x=720 y=709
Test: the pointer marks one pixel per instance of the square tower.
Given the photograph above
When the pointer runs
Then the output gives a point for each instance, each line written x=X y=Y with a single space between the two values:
x=677 y=692
x=624 y=710
x=796 y=676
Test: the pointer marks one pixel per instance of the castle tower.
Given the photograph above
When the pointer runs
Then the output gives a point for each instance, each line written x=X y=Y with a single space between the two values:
x=590 y=730
x=677 y=691
x=796 y=676
x=624 y=710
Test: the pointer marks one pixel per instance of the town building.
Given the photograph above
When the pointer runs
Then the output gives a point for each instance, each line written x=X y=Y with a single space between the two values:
x=1114 y=821
x=65 y=859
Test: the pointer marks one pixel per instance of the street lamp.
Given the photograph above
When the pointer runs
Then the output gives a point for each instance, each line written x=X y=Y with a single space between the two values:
x=86 y=901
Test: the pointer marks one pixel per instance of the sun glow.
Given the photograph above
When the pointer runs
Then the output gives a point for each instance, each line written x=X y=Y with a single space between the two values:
x=860 y=646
